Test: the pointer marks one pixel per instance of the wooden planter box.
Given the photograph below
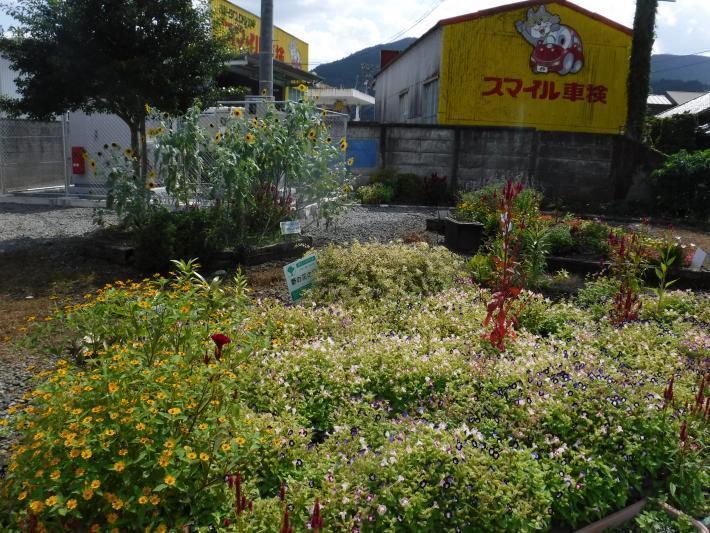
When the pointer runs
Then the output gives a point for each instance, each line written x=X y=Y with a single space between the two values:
x=463 y=237
x=436 y=225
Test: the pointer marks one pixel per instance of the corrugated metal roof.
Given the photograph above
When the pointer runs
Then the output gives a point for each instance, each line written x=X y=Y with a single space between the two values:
x=700 y=105
x=681 y=97
x=658 y=99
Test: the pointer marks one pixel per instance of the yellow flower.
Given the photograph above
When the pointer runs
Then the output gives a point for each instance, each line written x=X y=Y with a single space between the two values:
x=249 y=138
x=226 y=446
x=312 y=134
x=174 y=411
x=52 y=500
x=86 y=454
x=112 y=517
x=140 y=426
x=79 y=472
x=36 y=506
x=204 y=457
x=218 y=136
x=112 y=387
x=22 y=495
x=240 y=441
x=74 y=453
x=55 y=475
x=95 y=484
x=154 y=499
x=192 y=456
x=117 y=503
x=128 y=152
x=343 y=144
x=119 y=466
x=163 y=461
x=351 y=161
x=122 y=452
x=238 y=112
x=71 y=504
x=109 y=432
x=302 y=88
x=143 y=500
x=202 y=427
x=148 y=109
x=169 y=480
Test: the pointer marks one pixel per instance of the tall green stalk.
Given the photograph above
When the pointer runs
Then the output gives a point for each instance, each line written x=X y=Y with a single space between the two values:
x=640 y=68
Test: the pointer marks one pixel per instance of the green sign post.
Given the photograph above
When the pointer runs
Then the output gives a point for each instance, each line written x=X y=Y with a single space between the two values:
x=299 y=276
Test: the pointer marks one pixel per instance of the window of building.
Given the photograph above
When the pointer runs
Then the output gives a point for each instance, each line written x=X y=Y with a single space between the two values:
x=404 y=106
x=430 y=101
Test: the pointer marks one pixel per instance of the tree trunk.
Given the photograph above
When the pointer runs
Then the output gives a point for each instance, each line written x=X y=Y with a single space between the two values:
x=135 y=148
x=640 y=67
x=143 y=152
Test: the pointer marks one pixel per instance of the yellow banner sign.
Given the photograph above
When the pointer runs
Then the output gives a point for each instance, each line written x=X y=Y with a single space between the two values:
x=244 y=29
x=546 y=66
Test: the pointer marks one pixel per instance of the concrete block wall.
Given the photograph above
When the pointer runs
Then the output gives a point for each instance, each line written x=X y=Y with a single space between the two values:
x=576 y=169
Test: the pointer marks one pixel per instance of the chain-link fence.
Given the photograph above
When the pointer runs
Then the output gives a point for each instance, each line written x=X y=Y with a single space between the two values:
x=31 y=155
x=46 y=156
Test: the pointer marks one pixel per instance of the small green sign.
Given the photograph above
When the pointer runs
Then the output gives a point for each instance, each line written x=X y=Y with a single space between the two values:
x=300 y=275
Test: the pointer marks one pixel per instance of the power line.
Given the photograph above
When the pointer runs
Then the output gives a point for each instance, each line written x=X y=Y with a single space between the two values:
x=417 y=22
x=705 y=61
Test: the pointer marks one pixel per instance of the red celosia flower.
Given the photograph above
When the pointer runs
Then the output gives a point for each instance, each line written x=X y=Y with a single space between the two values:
x=316 y=519
x=683 y=432
x=219 y=339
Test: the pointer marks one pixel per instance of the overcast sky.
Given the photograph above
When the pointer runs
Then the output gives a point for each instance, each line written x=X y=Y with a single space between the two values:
x=337 y=28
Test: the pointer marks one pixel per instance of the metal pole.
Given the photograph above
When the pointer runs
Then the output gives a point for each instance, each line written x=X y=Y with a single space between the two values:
x=266 y=49
x=67 y=158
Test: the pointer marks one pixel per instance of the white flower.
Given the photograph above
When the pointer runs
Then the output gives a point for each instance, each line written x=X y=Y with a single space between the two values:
x=381 y=509
x=404 y=502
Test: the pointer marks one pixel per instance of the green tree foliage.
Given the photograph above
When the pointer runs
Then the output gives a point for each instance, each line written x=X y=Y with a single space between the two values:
x=672 y=134
x=640 y=68
x=111 y=57
x=682 y=185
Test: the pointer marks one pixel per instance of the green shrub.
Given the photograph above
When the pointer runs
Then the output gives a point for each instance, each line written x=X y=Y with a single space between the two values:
x=481 y=268
x=480 y=206
x=597 y=295
x=406 y=188
x=593 y=238
x=673 y=134
x=169 y=235
x=560 y=240
x=682 y=185
x=365 y=271
x=375 y=194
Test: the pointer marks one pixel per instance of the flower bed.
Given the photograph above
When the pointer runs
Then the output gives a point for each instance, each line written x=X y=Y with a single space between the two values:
x=188 y=404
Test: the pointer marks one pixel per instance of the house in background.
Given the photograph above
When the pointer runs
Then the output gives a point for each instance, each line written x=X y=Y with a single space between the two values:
x=658 y=103
x=700 y=107
x=546 y=64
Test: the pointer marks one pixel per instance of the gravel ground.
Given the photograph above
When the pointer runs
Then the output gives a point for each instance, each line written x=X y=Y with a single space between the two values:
x=27 y=225
x=380 y=224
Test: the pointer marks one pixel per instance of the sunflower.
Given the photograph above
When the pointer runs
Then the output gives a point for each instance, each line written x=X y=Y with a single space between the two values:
x=128 y=152
x=312 y=134
x=302 y=88
x=328 y=140
x=343 y=144
x=238 y=112
x=249 y=138
x=351 y=161
x=218 y=136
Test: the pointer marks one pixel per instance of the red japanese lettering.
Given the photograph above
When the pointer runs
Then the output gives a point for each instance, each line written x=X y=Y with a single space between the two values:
x=596 y=93
x=517 y=86
x=548 y=91
x=573 y=92
x=497 y=88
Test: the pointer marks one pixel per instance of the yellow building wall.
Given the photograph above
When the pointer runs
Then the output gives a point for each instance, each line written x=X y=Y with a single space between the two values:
x=487 y=78
x=244 y=29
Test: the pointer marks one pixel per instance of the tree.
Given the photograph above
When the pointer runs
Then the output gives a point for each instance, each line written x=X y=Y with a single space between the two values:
x=640 y=68
x=112 y=56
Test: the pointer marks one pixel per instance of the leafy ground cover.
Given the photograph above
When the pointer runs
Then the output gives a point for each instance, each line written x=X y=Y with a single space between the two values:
x=370 y=412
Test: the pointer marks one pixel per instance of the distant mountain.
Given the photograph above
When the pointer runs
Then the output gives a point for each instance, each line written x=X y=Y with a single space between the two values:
x=356 y=69
x=668 y=72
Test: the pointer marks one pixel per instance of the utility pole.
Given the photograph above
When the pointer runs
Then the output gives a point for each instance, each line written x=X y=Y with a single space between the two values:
x=639 y=81
x=266 y=50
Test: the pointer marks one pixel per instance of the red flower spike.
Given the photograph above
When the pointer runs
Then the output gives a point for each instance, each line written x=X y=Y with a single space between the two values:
x=316 y=521
x=282 y=492
x=683 y=432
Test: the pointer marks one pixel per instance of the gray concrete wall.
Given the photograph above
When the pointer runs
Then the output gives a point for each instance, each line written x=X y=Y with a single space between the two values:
x=577 y=169
x=408 y=73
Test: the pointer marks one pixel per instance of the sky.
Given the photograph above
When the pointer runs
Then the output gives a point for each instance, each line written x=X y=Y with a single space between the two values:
x=336 y=28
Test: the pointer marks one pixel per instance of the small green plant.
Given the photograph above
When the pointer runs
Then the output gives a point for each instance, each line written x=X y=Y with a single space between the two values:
x=481 y=268
x=627 y=266
x=667 y=258
x=375 y=194
x=682 y=185
x=560 y=240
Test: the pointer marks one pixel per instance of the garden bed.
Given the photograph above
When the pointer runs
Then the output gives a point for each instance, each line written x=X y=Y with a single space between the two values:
x=378 y=403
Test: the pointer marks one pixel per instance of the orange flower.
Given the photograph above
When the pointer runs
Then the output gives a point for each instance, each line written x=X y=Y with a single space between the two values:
x=119 y=466
x=95 y=484
x=87 y=494
x=169 y=480
x=71 y=504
